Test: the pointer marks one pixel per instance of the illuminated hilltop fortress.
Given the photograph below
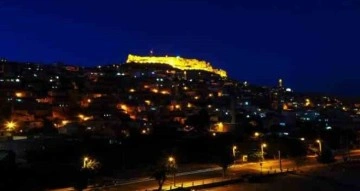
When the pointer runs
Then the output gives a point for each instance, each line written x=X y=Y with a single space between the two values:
x=176 y=62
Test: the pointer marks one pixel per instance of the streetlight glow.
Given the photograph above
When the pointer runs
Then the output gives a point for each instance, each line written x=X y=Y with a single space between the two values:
x=172 y=167
x=10 y=125
x=262 y=150
x=320 y=146
x=234 y=150
x=90 y=163
x=85 y=160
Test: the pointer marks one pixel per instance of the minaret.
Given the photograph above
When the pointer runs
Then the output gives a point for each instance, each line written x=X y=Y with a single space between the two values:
x=280 y=83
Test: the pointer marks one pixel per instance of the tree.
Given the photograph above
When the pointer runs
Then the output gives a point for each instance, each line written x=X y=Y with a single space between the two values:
x=224 y=160
x=167 y=165
x=160 y=176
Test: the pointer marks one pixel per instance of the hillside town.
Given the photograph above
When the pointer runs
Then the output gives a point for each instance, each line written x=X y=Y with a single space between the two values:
x=54 y=114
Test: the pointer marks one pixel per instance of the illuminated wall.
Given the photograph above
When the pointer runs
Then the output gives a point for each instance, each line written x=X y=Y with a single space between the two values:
x=176 y=62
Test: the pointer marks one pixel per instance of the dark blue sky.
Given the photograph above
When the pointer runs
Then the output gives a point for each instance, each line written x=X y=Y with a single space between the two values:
x=314 y=45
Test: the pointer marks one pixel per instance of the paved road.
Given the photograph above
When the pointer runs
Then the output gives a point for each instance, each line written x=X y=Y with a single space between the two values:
x=212 y=175
x=209 y=175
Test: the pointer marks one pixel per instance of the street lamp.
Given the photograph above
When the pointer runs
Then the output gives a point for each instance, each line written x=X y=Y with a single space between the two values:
x=90 y=163
x=262 y=150
x=172 y=167
x=85 y=160
x=319 y=141
x=234 y=150
x=257 y=134
x=10 y=125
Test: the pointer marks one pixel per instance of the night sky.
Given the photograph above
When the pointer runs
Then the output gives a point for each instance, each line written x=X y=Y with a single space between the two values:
x=314 y=45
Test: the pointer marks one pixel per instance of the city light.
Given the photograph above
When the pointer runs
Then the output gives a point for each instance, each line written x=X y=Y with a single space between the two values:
x=148 y=102
x=84 y=118
x=219 y=127
x=155 y=90
x=165 y=92
x=19 y=94
x=256 y=134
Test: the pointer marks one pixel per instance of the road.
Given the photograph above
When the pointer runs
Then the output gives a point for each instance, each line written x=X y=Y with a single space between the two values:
x=204 y=176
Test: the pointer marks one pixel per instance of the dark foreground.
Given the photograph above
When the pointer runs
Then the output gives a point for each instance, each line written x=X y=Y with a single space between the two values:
x=340 y=177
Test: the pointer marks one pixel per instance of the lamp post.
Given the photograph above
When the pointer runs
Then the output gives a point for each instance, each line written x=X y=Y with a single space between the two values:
x=234 y=150
x=320 y=149
x=262 y=150
x=172 y=167
x=85 y=161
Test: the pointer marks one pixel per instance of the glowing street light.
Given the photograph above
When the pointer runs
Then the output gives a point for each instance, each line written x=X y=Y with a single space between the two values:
x=90 y=163
x=85 y=160
x=256 y=134
x=302 y=139
x=262 y=150
x=319 y=141
x=10 y=125
x=234 y=150
x=172 y=167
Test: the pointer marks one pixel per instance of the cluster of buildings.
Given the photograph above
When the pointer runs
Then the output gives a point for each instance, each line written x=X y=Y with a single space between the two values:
x=134 y=97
